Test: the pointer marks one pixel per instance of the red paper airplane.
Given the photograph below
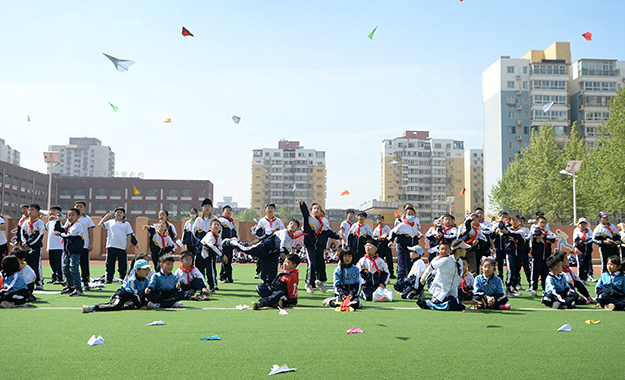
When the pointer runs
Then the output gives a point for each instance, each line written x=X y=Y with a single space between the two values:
x=464 y=190
x=185 y=32
x=587 y=36
x=397 y=214
x=345 y=192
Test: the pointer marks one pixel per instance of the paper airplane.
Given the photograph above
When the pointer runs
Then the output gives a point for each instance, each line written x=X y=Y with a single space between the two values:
x=547 y=106
x=397 y=214
x=120 y=64
x=282 y=311
x=294 y=187
x=135 y=190
x=592 y=322
x=371 y=34
x=355 y=331
x=277 y=369
x=214 y=337
x=185 y=32
x=242 y=307
x=167 y=120
x=28 y=118
x=114 y=108
x=93 y=340
x=566 y=327
x=345 y=192
x=236 y=119
x=156 y=323
x=587 y=36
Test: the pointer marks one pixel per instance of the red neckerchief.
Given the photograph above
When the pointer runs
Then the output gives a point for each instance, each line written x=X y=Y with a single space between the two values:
x=380 y=227
x=162 y=239
x=228 y=218
x=583 y=234
x=320 y=219
x=568 y=270
x=464 y=283
x=444 y=232
x=216 y=238
x=270 y=222
x=513 y=239
x=373 y=264
x=67 y=229
x=358 y=231
x=408 y=223
x=606 y=226
x=31 y=222
x=350 y=223
x=471 y=238
x=295 y=236
x=187 y=272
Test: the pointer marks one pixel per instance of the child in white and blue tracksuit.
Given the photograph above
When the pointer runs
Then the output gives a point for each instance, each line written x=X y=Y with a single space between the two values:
x=132 y=293
x=410 y=287
x=611 y=286
x=14 y=291
x=346 y=280
x=164 y=289
x=488 y=288
x=558 y=294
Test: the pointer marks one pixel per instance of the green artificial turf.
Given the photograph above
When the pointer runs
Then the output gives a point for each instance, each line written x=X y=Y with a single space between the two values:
x=51 y=337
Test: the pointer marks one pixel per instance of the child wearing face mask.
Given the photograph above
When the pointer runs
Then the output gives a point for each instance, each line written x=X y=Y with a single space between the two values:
x=188 y=240
x=407 y=235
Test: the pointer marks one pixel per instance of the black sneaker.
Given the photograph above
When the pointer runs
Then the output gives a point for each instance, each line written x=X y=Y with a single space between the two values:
x=87 y=287
x=67 y=290
x=393 y=276
x=256 y=306
x=77 y=293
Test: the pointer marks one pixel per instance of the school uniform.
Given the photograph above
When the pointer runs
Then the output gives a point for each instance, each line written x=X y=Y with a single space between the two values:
x=504 y=245
x=465 y=287
x=431 y=237
x=130 y=295
x=85 y=270
x=73 y=247
x=557 y=290
x=283 y=287
x=470 y=234
x=407 y=235
x=191 y=280
x=268 y=225
x=410 y=287
x=212 y=244
x=540 y=250
x=600 y=235
x=373 y=272
x=188 y=239
x=14 y=290
x=358 y=235
x=583 y=241
x=522 y=238
x=573 y=281
x=160 y=244
x=383 y=249
x=132 y=273
x=163 y=290
x=483 y=248
x=200 y=228
x=4 y=244
x=32 y=235
x=29 y=277
x=611 y=289
x=492 y=287
x=173 y=234
x=116 y=245
x=444 y=286
x=346 y=225
x=318 y=231
x=55 y=250
x=346 y=283
x=228 y=230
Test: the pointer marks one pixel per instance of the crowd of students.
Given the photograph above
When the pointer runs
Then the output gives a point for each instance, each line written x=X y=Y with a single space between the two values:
x=465 y=262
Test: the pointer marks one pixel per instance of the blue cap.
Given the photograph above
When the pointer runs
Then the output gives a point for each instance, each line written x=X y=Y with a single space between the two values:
x=141 y=264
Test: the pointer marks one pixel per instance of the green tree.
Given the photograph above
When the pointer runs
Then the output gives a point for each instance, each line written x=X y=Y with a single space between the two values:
x=285 y=214
x=248 y=215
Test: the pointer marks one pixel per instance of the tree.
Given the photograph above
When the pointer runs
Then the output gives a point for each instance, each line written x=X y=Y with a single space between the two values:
x=248 y=215
x=285 y=214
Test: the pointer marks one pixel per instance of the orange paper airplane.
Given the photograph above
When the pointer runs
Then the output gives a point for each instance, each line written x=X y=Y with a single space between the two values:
x=167 y=120
x=345 y=192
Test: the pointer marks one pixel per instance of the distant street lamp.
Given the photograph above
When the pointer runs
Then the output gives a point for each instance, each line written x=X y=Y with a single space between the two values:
x=571 y=168
x=51 y=158
x=449 y=201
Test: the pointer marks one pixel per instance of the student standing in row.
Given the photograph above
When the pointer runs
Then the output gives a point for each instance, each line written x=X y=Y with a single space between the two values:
x=606 y=236
x=88 y=225
x=55 y=245
x=359 y=233
x=200 y=228
x=119 y=233
x=381 y=234
x=407 y=235
x=32 y=241
x=346 y=225
x=270 y=224
x=228 y=230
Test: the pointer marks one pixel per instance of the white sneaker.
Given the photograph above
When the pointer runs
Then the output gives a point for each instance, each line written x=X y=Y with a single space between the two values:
x=87 y=309
x=7 y=304
x=321 y=285
x=152 y=305
x=178 y=304
x=309 y=289
x=534 y=293
x=528 y=290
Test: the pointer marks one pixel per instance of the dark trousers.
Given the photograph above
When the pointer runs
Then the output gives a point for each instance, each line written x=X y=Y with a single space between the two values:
x=403 y=262
x=258 y=265
x=226 y=269
x=19 y=298
x=33 y=259
x=196 y=285
x=500 y=257
x=513 y=276
x=316 y=265
x=84 y=266
x=523 y=259
x=210 y=265
x=270 y=295
x=156 y=261
x=121 y=300
x=609 y=294
x=495 y=305
x=569 y=301
x=471 y=259
x=482 y=251
x=165 y=298
x=268 y=255
x=410 y=287
x=56 y=264
x=119 y=255
x=539 y=269
x=387 y=254
x=584 y=260
x=606 y=251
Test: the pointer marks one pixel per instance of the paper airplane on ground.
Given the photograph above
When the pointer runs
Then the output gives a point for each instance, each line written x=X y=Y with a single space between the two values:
x=566 y=327
x=214 y=337
x=93 y=340
x=277 y=369
x=354 y=331
x=282 y=311
x=156 y=323
x=120 y=64
x=242 y=307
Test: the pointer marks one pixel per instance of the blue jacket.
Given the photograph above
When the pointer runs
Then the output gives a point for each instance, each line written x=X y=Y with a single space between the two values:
x=160 y=282
x=347 y=281
x=15 y=282
x=556 y=284
x=617 y=280
x=492 y=287
x=135 y=285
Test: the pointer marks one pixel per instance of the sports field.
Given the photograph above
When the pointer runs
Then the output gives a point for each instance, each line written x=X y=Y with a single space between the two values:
x=48 y=340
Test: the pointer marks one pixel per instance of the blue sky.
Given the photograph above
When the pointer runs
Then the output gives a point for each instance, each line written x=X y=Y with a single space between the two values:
x=295 y=70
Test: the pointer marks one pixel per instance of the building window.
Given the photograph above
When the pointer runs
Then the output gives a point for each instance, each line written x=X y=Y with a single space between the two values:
x=437 y=146
x=510 y=84
x=512 y=130
x=65 y=191
x=100 y=192
x=526 y=130
x=511 y=100
x=151 y=192
x=150 y=208
x=136 y=207
x=201 y=194
x=510 y=70
x=100 y=207
x=525 y=85
x=186 y=193
x=80 y=192
x=172 y=193
x=116 y=192
x=511 y=145
x=525 y=70
x=512 y=115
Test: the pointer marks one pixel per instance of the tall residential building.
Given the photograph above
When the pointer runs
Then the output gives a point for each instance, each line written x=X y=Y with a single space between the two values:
x=286 y=174
x=8 y=154
x=84 y=157
x=473 y=179
x=429 y=173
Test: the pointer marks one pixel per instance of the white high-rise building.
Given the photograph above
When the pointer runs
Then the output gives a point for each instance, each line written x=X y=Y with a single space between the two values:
x=8 y=154
x=84 y=157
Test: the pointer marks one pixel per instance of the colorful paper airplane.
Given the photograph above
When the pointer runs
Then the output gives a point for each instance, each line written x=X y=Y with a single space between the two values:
x=566 y=327
x=167 y=120
x=114 y=108
x=345 y=192
x=354 y=331
x=587 y=36
x=156 y=323
x=135 y=190
x=120 y=64
x=397 y=214
x=185 y=32
x=277 y=369
x=592 y=322
x=214 y=337
x=371 y=34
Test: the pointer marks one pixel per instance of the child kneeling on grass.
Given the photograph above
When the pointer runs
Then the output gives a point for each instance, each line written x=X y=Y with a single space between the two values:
x=132 y=293
x=26 y=271
x=283 y=291
x=573 y=280
x=14 y=292
x=488 y=291
x=191 y=279
x=346 y=281
x=374 y=273
x=410 y=287
x=610 y=289
x=465 y=287
x=164 y=289
x=558 y=294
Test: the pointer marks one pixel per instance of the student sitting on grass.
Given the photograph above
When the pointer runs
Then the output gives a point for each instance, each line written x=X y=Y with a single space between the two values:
x=131 y=295
x=444 y=287
x=373 y=271
x=488 y=291
x=573 y=280
x=14 y=291
x=558 y=294
x=26 y=271
x=283 y=291
x=346 y=281
x=410 y=287
x=138 y=256
x=610 y=289
x=465 y=287
x=191 y=280
x=164 y=289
